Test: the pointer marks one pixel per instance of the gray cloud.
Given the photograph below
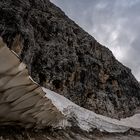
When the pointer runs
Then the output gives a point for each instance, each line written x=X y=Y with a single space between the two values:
x=114 y=23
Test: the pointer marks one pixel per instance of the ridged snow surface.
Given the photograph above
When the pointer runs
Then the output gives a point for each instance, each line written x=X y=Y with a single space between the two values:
x=88 y=120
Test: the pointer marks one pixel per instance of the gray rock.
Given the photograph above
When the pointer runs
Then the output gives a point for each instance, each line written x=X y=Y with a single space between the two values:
x=63 y=57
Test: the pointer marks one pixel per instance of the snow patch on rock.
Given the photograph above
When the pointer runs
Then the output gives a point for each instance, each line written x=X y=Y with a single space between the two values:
x=88 y=120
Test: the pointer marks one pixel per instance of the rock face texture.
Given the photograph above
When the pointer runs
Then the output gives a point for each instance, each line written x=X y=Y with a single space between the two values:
x=63 y=57
x=24 y=104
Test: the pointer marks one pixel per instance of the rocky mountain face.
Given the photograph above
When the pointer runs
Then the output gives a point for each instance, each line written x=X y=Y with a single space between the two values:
x=63 y=57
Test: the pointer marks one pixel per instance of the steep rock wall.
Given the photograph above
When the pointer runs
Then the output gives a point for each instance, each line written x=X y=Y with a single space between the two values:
x=63 y=57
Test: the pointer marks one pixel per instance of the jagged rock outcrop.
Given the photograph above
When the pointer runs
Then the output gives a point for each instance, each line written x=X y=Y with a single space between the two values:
x=63 y=57
x=25 y=105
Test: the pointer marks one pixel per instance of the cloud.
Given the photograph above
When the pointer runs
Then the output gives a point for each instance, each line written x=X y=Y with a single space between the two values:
x=113 y=23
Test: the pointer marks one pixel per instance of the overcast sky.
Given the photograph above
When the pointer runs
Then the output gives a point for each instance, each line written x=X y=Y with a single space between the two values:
x=114 y=23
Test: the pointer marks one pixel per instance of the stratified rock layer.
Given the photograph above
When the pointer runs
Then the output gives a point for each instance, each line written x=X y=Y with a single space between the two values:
x=63 y=57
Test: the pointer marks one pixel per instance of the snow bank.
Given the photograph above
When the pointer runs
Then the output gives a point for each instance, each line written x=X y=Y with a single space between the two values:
x=88 y=120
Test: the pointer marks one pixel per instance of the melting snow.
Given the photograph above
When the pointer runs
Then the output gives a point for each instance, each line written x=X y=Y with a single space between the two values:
x=88 y=120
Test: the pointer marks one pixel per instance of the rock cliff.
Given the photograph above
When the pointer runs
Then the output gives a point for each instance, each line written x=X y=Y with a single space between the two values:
x=26 y=107
x=63 y=57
